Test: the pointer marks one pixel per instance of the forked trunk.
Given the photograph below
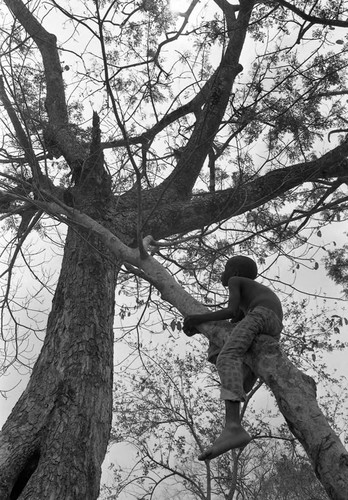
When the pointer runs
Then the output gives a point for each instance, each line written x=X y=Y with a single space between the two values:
x=53 y=444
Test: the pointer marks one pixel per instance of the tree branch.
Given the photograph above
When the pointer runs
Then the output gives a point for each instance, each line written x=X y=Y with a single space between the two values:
x=331 y=93
x=312 y=19
x=190 y=107
x=183 y=178
x=56 y=107
x=209 y=208
x=229 y=11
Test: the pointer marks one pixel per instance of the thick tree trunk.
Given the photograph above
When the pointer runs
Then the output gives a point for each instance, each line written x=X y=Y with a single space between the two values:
x=54 y=442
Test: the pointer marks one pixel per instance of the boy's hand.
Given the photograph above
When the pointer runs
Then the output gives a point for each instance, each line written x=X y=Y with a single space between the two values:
x=190 y=323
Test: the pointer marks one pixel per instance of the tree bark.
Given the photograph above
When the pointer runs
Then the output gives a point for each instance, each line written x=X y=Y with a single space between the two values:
x=60 y=426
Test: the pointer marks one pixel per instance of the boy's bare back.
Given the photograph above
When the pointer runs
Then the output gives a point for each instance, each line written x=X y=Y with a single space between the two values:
x=245 y=294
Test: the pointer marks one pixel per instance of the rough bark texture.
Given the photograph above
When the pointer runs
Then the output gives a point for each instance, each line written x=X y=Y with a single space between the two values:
x=54 y=442
x=60 y=426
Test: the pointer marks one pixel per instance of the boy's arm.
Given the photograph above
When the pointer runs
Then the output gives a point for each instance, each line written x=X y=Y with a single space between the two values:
x=196 y=319
x=230 y=312
x=190 y=322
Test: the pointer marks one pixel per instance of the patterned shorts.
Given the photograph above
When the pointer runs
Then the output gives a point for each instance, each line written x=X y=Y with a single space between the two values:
x=229 y=363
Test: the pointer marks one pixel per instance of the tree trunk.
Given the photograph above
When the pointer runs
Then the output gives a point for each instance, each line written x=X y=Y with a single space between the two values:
x=54 y=442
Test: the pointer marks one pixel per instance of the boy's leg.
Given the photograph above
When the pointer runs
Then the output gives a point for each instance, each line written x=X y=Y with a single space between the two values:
x=232 y=436
x=230 y=367
x=230 y=360
x=249 y=378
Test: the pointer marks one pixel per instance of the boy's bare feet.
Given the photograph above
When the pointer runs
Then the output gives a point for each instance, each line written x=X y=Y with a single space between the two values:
x=233 y=436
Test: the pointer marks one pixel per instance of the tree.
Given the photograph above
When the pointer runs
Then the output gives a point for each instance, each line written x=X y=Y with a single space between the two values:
x=170 y=152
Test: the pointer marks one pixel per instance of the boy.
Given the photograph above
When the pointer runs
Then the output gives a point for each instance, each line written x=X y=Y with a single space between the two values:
x=260 y=312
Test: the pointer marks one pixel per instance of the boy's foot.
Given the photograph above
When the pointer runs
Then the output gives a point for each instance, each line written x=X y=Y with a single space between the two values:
x=231 y=437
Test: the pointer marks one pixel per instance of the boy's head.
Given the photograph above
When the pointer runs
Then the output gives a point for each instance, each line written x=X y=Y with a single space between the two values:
x=239 y=266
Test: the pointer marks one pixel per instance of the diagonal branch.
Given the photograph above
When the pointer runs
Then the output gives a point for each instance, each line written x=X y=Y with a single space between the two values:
x=47 y=44
x=313 y=19
x=55 y=95
x=208 y=208
x=184 y=176
x=192 y=106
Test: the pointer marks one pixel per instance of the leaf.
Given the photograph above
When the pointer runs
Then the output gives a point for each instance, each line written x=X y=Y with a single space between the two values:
x=173 y=325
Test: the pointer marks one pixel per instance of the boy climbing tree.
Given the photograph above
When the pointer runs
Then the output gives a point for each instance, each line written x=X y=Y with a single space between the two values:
x=258 y=311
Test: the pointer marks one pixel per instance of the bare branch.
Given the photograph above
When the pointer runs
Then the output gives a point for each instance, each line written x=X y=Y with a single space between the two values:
x=209 y=208
x=230 y=12
x=55 y=99
x=47 y=44
x=332 y=93
x=313 y=19
x=192 y=106
x=184 y=176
